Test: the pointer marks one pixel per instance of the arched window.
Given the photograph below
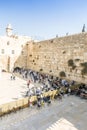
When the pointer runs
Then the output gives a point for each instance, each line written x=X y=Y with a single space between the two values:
x=8 y=43
x=2 y=51
x=13 y=51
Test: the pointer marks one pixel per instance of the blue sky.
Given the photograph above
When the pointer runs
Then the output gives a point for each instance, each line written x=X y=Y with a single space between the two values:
x=43 y=18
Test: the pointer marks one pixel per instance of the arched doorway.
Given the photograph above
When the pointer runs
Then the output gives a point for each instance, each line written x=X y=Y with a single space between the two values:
x=8 y=64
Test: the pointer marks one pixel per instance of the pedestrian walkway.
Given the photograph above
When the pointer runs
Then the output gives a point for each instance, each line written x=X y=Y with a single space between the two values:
x=62 y=124
x=11 y=90
x=68 y=114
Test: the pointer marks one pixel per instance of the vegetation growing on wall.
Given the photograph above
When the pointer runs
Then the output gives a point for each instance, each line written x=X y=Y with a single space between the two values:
x=77 y=59
x=71 y=64
x=84 y=69
x=84 y=64
x=73 y=67
x=62 y=74
x=41 y=69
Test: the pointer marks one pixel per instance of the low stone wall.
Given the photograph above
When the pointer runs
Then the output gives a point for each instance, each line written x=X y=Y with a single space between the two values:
x=13 y=106
x=22 y=103
x=25 y=102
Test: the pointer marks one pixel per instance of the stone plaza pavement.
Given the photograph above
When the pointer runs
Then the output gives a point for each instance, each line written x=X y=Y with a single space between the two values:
x=68 y=114
x=11 y=90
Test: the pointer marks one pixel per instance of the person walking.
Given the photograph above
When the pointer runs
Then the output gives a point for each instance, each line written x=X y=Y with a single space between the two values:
x=28 y=83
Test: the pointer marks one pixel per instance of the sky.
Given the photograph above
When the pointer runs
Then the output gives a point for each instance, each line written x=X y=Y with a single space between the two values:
x=43 y=19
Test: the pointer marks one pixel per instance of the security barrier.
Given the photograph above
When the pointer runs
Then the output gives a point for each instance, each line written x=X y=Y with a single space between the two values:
x=21 y=103
x=25 y=102
x=13 y=106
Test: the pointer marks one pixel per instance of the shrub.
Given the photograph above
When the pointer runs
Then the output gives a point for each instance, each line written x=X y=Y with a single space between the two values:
x=84 y=64
x=77 y=59
x=41 y=69
x=84 y=70
x=62 y=74
x=70 y=62
x=73 y=67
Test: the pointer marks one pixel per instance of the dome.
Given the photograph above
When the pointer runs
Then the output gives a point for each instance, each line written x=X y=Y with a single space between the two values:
x=9 y=30
x=9 y=26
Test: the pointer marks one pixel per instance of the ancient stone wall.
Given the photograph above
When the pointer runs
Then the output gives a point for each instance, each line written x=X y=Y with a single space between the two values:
x=21 y=60
x=60 y=56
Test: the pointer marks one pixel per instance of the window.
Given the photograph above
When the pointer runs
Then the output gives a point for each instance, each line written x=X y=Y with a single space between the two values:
x=2 y=51
x=22 y=52
x=21 y=46
x=8 y=43
x=13 y=51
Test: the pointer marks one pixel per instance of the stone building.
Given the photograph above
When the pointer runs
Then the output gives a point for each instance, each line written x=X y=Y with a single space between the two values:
x=11 y=47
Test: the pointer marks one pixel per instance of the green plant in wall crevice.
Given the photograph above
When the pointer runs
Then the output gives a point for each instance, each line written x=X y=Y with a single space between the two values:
x=84 y=69
x=71 y=64
x=62 y=74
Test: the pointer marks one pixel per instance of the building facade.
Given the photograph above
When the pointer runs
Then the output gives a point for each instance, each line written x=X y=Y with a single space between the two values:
x=11 y=46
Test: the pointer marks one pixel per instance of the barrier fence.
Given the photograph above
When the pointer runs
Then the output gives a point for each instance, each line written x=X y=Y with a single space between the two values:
x=25 y=102
x=13 y=106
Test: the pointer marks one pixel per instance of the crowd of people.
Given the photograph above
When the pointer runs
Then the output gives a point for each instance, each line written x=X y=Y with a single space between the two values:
x=47 y=83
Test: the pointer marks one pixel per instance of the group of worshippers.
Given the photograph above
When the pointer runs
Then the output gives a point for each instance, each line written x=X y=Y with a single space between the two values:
x=47 y=82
